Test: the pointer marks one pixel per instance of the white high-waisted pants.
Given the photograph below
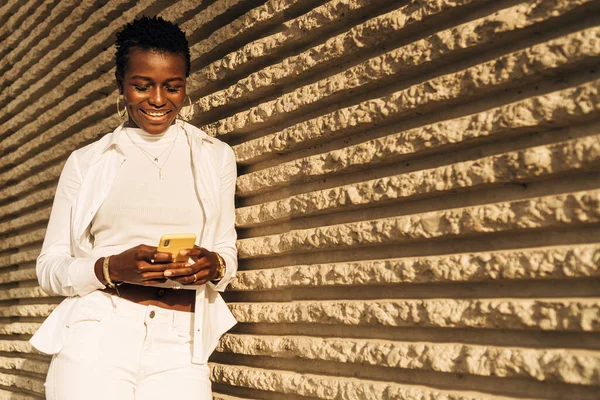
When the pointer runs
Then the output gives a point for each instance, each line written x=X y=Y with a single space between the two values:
x=117 y=349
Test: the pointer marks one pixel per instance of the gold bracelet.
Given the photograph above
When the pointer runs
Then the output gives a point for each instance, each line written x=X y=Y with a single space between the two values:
x=220 y=268
x=106 y=274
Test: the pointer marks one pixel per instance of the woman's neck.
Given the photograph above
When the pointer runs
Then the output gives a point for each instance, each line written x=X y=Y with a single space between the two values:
x=139 y=135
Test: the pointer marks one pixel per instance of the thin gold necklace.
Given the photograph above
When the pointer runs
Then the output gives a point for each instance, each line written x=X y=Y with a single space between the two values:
x=154 y=159
x=150 y=155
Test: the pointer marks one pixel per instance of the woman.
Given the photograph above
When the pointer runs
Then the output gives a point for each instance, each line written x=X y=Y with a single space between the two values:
x=127 y=329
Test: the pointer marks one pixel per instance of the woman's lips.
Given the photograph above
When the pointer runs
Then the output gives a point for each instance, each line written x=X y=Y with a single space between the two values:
x=155 y=116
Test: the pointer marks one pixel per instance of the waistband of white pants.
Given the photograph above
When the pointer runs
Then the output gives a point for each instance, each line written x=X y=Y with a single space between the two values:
x=138 y=313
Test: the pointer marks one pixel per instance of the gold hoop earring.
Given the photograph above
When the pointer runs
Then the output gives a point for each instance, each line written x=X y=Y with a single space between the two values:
x=120 y=113
x=186 y=113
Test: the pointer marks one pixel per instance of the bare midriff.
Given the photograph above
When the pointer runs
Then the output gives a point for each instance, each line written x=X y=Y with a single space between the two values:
x=172 y=299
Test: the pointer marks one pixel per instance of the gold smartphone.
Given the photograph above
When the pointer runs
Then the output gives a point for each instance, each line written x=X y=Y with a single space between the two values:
x=174 y=243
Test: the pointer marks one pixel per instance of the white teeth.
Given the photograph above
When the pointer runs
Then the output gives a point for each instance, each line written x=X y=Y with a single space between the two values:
x=155 y=114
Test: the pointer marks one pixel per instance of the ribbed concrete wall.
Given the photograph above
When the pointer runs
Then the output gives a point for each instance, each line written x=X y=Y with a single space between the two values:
x=419 y=191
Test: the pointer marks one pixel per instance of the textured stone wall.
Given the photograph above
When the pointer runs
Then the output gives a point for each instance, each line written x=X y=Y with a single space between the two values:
x=419 y=191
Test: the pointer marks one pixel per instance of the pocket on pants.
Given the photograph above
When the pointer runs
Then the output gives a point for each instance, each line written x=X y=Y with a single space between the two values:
x=181 y=344
x=84 y=313
x=84 y=333
x=183 y=336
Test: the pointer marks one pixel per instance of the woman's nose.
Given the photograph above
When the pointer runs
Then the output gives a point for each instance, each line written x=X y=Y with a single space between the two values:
x=157 y=97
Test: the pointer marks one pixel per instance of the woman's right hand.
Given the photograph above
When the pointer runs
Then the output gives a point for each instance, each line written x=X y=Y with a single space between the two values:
x=141 y=265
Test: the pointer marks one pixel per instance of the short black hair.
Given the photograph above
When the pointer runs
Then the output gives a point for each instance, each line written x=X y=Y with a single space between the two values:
x=150 y=33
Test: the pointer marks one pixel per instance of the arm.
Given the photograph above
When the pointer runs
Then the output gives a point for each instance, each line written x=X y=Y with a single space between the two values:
x=59 y=272
x=205 y=264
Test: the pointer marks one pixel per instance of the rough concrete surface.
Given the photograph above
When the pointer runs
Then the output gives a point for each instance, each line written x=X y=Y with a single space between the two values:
x=293 y=33
x=21 y=257
x=545 y=212
x=19 y=328
x=19 y=17
x=21 y=275
x=508 y=167
x=16 y=346
x=22 y=382
x=551 y=263
x=241 y=25
x=398 y=61
x=324 y=387
x=23 y=37
x=554 y=315
x=14 y=363
x=10 y=395
x=371 y=33
x=447 y=88
x=543 y=365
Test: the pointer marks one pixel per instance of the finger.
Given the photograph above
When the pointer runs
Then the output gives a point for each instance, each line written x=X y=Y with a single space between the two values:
x=179 y=269
x=184 y=269
x=162 y=257
x=191 y=253
x=197 y=278
x=201 y=263
x=144 y=254
x=143 y=266
x=195 y=252
x=148 y=276
x=189 y=280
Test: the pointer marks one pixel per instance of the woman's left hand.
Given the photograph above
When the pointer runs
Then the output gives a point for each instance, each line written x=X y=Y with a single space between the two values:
x=203 y=270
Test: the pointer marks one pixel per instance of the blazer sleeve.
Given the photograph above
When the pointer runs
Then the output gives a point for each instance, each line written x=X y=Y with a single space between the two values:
x=226 y=235
x=59 y=272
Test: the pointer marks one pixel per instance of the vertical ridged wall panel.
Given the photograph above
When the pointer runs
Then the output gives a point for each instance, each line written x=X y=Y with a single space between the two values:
x=418 y=205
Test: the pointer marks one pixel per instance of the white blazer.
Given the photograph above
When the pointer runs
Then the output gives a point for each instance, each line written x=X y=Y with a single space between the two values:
x=65 y=268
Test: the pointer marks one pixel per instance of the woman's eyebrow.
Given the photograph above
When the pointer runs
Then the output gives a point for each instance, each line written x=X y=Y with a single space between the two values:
x=145 y=78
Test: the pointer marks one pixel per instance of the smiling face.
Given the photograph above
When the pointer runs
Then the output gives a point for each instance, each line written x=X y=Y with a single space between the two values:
x=154 y=89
